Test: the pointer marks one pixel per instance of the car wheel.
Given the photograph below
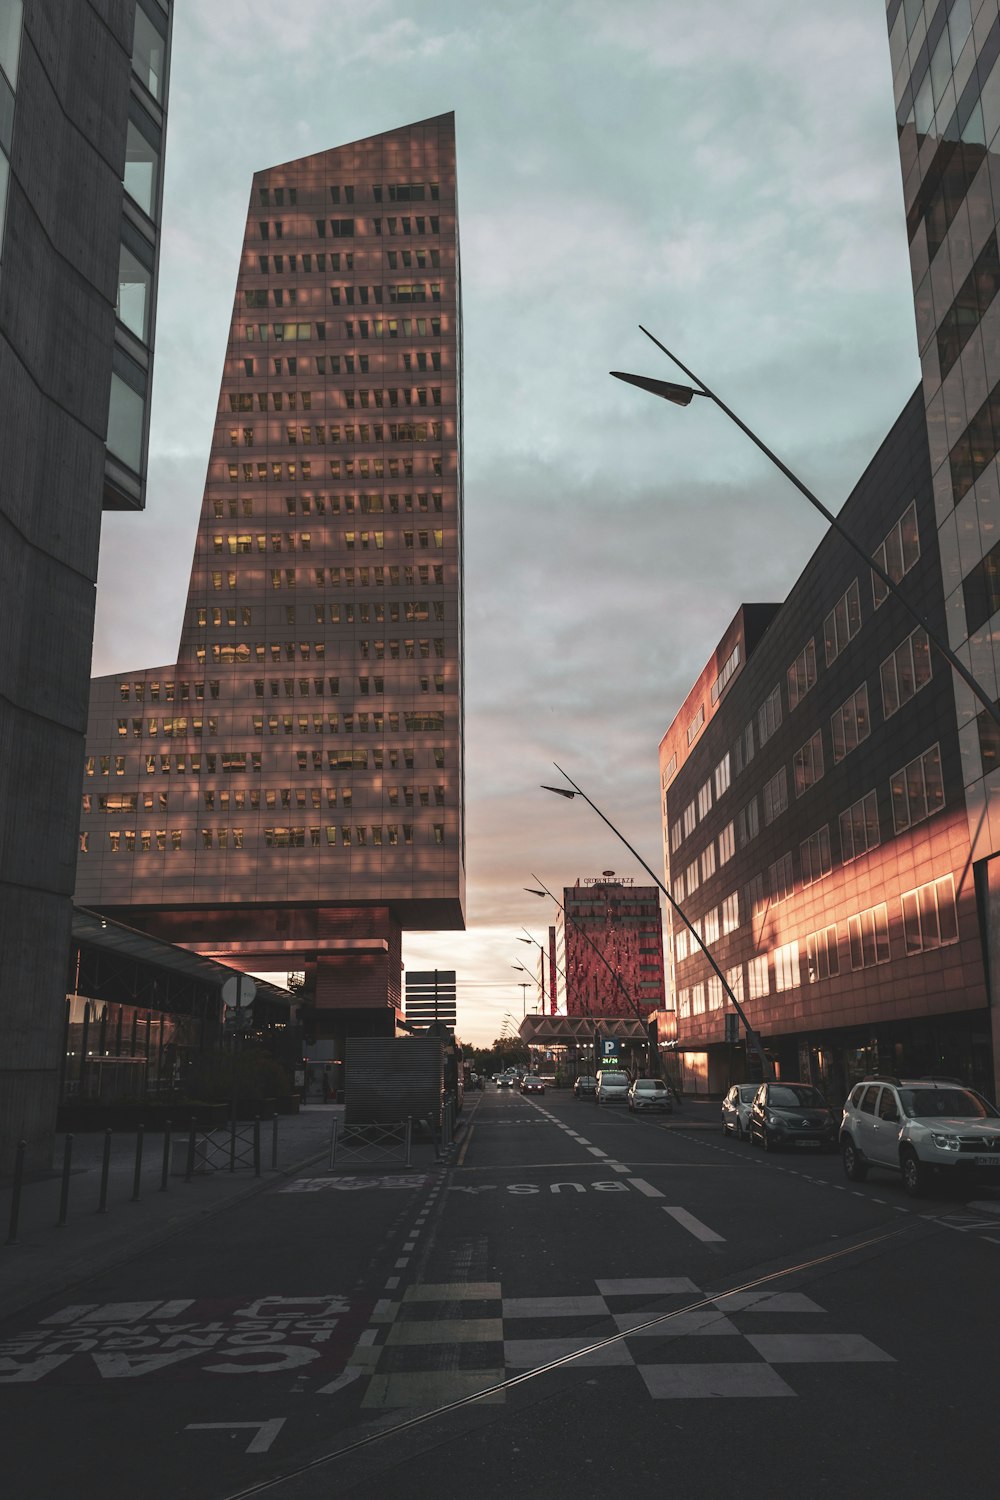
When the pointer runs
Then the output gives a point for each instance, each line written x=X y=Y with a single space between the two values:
x=914 y=1174
x=740 y=1132
x=855 y=1168
x=768 y=1141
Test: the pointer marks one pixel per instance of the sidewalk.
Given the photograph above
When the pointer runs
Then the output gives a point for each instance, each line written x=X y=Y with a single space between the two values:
x=47 y=1258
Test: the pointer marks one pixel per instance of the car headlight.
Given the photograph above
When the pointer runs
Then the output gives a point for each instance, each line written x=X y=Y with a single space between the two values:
x=776 y=1122
x=945 y=1142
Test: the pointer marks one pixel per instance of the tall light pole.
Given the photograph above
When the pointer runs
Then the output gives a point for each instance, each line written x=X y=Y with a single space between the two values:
x=753 y=1042
x=681 y=395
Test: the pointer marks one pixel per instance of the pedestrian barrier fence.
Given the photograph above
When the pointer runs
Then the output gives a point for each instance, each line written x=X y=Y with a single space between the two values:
x=193 y=1153
x=371 y=1145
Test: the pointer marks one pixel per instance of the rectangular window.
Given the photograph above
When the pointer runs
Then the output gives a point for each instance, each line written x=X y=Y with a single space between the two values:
x=730 y=666
x=727 y=843
x=802 y=674
x=757 y=977
x=676 y=837
x=669 y=770
x=807 y=764
x=769 y=716
x=868 y=933
x=850 y=724
x=705 y=799
x=822 y=954
x=814 y=855
x=748 y=822
x=694 y=727
x=730 y=910
x=917 y=790
x=786 y=967
x=743 y=750
x=930 y=919
x=681 y=943
x=708 y=862
x=775 y=795
x=842 y=623
x=722 y=776
x=905 y=672
x=711 y=926
x=898 y=553
x=859 y=828
x=734 y=979
x=780 y=879
x=689 y=820
x=691 y=878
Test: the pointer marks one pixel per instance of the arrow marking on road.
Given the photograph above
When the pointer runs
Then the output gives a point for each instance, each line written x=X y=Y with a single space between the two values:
x=266 y=1431
x=351 y=1374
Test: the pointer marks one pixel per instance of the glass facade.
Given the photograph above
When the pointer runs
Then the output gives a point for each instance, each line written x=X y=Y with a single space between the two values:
x=609 y=950
x=305 y=749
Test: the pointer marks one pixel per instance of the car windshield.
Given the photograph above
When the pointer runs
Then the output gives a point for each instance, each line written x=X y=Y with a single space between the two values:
x=954 y=1103
x=747 y=1093
x=795 y=1096
x=618 y=1079
x=650 y=1085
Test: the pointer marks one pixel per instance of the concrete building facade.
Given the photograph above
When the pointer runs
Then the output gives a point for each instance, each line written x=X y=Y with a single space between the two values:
x=83 y=93
x=288 y=793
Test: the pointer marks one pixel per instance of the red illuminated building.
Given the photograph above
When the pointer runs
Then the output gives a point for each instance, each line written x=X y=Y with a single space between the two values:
x=288 y=794
x=609 y=943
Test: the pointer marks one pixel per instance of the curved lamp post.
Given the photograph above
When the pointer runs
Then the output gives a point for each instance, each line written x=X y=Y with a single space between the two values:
x=753 y=1042
x=682 y=395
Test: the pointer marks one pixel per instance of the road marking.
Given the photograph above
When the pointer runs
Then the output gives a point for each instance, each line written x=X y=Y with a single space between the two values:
x=353 y=1373
x=596 y=1151
x=817 y=1348
x=266 y=1431
x=693 y=1226
x=647 y=1286
x=465 y=1146
x=642 y=1186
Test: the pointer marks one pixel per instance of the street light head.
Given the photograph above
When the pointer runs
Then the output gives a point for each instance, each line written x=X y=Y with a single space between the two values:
x=560 y=791
x=525 y=940
x=680 y=395
x=532 y=892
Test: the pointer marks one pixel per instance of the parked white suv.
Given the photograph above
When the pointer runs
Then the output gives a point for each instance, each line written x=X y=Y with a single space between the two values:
x=920 y=1127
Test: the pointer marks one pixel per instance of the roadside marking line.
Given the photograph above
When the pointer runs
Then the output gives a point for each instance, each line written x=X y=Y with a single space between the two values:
x=596 y=1151
x=465 y=1146
x=642 y=1186
x=618 y=1166
x=266 y=1431
x=352 y=1373
x=404 y=1260
x=692 y=1225
x=992 y=1239
x=392 y=1283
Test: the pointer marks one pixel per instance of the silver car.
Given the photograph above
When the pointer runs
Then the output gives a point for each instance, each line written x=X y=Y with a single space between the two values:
x=736 y=1110
x=612 y=1087
x=650 y=1093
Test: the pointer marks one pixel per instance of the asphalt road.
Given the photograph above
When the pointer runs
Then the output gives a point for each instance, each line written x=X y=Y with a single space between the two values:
x=581 y=1303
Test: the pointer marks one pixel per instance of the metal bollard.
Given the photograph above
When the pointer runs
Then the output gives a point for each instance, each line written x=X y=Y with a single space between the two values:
x=137 y=1174
x=274 y=1143
x=15 y=1202
x=333 y=1142
x=256 y=1145
x=189 y=1173
x=102 y=1205
x=64 y=1188
x=165 y=1168
x=409 y=1139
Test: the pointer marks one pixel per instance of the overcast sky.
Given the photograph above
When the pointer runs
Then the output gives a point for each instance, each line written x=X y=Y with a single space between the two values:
x=724 y=172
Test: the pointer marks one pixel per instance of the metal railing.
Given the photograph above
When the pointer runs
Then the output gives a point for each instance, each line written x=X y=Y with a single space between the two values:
x=371 y=1145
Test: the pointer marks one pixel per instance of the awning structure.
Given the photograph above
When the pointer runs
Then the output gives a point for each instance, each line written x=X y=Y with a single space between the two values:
x=564 y=1031
x=113 y=962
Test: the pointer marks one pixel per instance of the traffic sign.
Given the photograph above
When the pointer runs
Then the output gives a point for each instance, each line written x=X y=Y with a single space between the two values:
x=239 y=991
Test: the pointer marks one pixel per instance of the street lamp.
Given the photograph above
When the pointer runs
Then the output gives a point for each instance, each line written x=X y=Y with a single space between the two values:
x=752 y=1039
x=681 y=395
x=523 y=986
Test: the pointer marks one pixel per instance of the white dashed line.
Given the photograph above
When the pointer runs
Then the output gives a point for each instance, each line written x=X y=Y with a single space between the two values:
x=642 y=1186
x=692 y=1225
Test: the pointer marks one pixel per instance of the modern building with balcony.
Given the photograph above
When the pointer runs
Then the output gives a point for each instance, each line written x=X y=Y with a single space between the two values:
x=814 y=817
x=288 y=793
x=83 y=94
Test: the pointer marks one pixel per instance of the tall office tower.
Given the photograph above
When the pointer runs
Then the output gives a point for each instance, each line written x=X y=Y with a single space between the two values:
x=946 y=82
x=83 y=91
x=289 y=793
x=609 y=939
